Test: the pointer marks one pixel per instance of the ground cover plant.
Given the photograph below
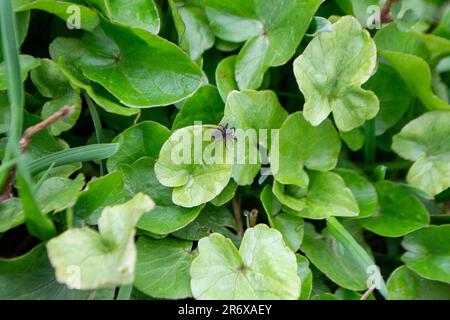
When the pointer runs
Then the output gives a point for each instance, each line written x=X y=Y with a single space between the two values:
x=222 y=149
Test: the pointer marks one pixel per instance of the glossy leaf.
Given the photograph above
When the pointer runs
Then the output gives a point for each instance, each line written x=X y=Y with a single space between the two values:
x=162 y=267
x=404 y=284
x=272 y=32
x=400 y=212
x=428 y=252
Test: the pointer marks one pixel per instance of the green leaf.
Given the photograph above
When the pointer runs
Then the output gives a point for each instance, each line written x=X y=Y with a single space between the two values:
x=306 y=277
x=226 y=195
x=251 y=111
x=205 y=106
x=141 y=14
x=101 y=259
x=144 y=139
x=11 y=214
x=363 y=191
x=263 y=268
x=333 y=259
x=291 y=227
x=400 y=212
x=95 y=91
x=192 y=167
x=393 y=94
x=22 y=23
x=58 y=193
x=27 y=63
x=391 y=38
x=162 y=268
x=417 y=75
x=404 y=284
x=194 y=34
x=225 y=80
x=428 y=252
x=329 y=84
x=354 y=139
x=210 y=220
x=52 y=84
x=114 y=57
x=66 y=10
x=166 y=217
x=270 y=202
x=302 y=145
x=426 y=140
x=327 y=196
x=443 y=29
x=99 y=193
x=31 y=277
x=273 y=32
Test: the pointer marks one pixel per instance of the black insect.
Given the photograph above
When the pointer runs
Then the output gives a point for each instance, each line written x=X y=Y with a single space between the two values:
x=224 y=133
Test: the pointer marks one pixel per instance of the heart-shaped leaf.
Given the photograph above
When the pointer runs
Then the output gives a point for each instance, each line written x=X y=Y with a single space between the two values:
x=85 y=259
x=326 y=196
x=205 y=106
x=263 y=268
x=417 y=75
x=404 y=284
x=27 y=63
x=364 y=192
x=273 y=30
x=426 y=140
x=400 y=212
x=162 y=268
x=194 y=34
x=142 y=14
x=52 y=84
x=67 y=191
x=302 y=145
x=66 y=10
x=115 y=56
x=11 y=214
x=195 y=164
x=142 y=140
x=330 y=73
x=252 y=112
x=31 y=277
x=166 y=217
x=428 y=252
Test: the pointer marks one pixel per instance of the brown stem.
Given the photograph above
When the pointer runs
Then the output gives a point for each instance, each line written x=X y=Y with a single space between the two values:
x=31 y=131
x=25 y=141
x=368 y=292
x=253 y=217
x=238 y=215
x=386 y=11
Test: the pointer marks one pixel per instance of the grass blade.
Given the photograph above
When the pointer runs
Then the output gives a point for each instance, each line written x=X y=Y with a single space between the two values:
x=98 y=127
x=80 y=154
x=38 y=224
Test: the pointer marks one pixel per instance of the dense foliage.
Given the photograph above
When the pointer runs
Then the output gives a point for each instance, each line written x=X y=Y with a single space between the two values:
x=333 y=121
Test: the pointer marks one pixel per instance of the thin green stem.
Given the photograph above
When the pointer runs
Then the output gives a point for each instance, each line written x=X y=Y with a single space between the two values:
x=97 y=125
x=69 y=217
x=15 y=86
x=370 y=142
